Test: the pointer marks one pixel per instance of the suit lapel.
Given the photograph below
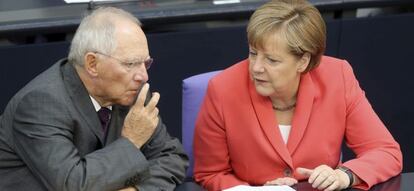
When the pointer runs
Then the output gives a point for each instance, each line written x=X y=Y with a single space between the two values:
x=305 y=98
x=81 y=100
x=265 y=115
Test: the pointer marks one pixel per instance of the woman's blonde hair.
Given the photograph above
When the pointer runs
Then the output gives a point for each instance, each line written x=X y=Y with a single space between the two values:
x=297 y=21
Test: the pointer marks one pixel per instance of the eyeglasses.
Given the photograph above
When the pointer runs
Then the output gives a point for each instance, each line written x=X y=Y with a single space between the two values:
x=130 y=65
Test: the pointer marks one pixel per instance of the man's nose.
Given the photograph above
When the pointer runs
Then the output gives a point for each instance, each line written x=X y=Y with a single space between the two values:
x=140 y=73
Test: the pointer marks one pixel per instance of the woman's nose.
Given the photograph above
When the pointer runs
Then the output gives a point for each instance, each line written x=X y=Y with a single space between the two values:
x=258 y=65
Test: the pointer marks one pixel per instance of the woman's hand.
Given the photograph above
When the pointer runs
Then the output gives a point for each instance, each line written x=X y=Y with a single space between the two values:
x=282 y=181
x=325 y=178
x=129 y=189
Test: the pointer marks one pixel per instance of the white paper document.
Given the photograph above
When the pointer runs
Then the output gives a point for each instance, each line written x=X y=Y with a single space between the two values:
x=260 y=188
x=87 y=1
x=221 y=2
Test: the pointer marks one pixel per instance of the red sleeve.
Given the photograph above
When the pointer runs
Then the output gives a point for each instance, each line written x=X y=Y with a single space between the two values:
x=378 y=155
x=212 y=167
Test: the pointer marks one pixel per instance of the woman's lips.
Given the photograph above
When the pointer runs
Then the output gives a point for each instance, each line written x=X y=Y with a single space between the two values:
x=260 y=80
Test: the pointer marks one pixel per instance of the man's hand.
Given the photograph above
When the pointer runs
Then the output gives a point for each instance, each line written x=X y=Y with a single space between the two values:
x=325 y=178
x=282 y=181
x=141 y=120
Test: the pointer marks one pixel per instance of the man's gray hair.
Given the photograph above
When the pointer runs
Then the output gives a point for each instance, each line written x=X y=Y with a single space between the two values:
x=96 y=33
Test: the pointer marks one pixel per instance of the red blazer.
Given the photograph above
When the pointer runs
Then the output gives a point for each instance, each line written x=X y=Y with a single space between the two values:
x=237 y=139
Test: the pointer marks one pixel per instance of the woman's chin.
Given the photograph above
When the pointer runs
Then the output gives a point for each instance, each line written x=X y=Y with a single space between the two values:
x=263 y=91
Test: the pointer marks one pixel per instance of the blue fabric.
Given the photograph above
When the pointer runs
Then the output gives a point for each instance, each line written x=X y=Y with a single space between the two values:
x=194 y=89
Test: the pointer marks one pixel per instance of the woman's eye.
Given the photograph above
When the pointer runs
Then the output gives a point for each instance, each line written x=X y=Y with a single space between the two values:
x=272 y=62
x=252 y=53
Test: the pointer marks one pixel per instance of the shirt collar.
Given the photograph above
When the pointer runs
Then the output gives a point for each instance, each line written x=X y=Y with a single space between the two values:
x=96 y=104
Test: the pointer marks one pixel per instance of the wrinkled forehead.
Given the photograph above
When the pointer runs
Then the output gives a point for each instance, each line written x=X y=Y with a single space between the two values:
x=131 y=42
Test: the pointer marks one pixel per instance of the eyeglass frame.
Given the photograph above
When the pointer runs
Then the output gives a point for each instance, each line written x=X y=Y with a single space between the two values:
x=147 y=63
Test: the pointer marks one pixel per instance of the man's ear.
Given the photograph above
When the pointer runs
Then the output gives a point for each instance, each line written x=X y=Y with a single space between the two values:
x=90 y=64
x=304 y=62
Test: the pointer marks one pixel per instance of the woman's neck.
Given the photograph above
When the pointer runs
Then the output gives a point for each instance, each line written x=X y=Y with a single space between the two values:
x=285 y=97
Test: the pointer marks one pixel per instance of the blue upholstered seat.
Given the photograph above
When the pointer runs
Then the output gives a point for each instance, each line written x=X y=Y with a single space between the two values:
x=194 y=89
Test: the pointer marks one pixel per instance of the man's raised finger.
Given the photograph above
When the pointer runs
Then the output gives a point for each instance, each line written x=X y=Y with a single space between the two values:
x=142 y=95
x=153 y=101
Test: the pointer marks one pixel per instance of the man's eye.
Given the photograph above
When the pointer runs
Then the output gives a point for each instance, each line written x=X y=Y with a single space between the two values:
x=129 y=64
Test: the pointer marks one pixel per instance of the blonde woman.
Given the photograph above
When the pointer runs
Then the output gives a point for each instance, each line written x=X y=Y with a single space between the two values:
x=281 y=115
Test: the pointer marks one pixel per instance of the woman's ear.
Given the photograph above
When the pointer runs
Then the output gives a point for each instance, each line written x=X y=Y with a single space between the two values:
x=304 y=62
x=90 y=64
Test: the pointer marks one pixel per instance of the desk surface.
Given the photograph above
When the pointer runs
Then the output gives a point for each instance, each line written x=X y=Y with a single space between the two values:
x=402 y=182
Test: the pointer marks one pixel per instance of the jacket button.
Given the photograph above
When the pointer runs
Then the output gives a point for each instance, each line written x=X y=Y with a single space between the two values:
x=287 y=172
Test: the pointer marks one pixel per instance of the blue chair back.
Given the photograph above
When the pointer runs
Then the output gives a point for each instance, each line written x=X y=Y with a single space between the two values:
x=194 y=89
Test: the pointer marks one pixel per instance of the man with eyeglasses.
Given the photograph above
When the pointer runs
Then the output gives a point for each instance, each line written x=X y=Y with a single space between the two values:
x=89 y=121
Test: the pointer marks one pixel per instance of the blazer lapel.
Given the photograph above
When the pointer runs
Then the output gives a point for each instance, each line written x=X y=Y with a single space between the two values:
x=305 y=98
x=81 y=100
x=264 y=113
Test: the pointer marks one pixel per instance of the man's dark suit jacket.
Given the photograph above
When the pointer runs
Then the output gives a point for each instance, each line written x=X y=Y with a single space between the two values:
x=51 y=139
